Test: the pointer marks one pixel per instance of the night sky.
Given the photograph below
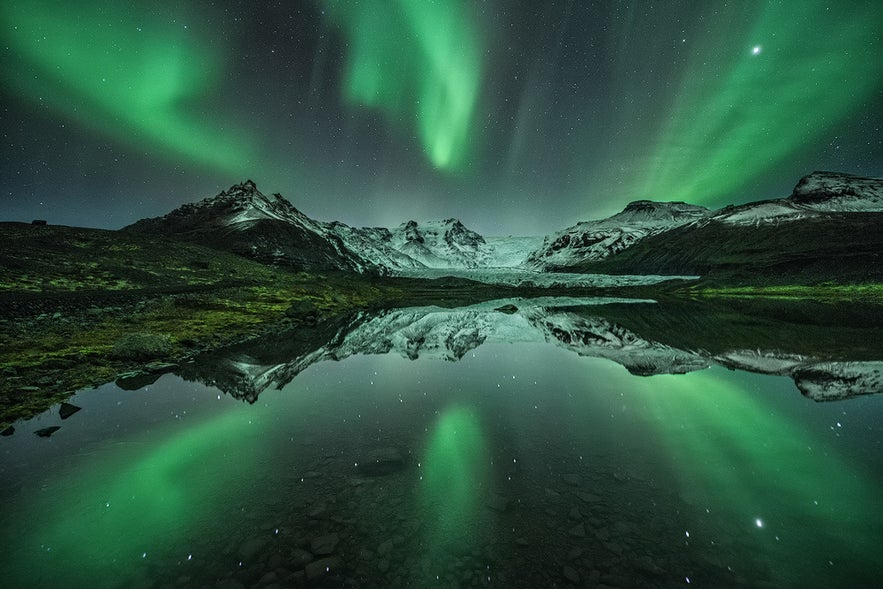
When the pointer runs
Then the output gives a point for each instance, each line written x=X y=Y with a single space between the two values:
x=518 y=117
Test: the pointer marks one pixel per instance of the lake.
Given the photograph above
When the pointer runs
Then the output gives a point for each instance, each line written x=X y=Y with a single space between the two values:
x=552 y=443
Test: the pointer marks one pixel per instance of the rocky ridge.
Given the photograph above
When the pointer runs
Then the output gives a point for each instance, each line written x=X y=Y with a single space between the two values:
x=270 y=229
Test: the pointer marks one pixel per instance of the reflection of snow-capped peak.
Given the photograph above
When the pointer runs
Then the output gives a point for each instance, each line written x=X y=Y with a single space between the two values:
x=599 y=338
x=832 y=381
x=449 y=334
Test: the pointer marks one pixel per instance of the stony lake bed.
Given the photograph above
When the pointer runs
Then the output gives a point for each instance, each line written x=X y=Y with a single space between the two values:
x=554 y=442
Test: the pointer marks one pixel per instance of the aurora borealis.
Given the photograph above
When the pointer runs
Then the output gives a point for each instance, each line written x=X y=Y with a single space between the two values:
x=517 y=117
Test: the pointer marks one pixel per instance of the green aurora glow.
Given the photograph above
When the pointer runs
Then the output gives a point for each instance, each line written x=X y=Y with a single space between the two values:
x=128 y=506
x=715 y=430
x=455 y=479
x=115 y=69
x=751 y=99
x=516 y=117
x=420 y=63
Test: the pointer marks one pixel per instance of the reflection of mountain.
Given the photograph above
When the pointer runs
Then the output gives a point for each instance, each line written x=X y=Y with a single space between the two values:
x=580 y=325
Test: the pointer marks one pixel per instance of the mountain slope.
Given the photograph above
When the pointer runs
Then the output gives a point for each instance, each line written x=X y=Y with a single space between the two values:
x=815 y=196
x=271 y=230
x=830 y=227
x=597 y=240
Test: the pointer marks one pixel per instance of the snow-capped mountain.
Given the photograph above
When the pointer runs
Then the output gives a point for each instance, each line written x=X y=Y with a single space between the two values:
x=789 y=235
x=815 y=195
x=270 y=229
x=435 y=333
x=596 y=240
x=441 y=244
x=267 y=228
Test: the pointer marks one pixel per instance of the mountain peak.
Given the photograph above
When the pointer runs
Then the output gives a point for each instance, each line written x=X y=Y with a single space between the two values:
x=247 y=188
x=823 y=186
x=657 y=212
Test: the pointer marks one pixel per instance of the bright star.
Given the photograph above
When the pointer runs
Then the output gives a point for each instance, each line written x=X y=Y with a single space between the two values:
x=755 y=50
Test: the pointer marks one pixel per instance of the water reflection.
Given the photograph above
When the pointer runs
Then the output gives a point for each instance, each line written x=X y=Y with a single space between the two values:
x=454 y=481
x=848 y=364
x=457 y=447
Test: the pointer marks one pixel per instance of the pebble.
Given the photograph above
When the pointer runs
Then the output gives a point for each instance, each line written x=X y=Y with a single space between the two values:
x=498 y=502
x=324 y=566
x=571 y=575
x=588 y=497
x=299 y=558
x=324 y=545
x=251 y=547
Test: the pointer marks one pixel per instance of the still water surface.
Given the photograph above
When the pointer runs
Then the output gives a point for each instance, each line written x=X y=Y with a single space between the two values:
x=497 y=457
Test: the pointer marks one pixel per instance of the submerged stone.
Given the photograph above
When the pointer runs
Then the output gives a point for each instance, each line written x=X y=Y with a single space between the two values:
x=498 y=502
x=132 y=381
x=8 y=431
x=508 y=309
x=66 y=410
x=324 y=566
x=47 y=431
x=299 y=558
x=251 y=547
x=381 y=462
x=571 y=575
x=324 y=545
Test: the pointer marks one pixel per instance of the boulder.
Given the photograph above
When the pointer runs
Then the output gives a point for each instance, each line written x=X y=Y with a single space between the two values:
x=142 y=346
x=303 y=310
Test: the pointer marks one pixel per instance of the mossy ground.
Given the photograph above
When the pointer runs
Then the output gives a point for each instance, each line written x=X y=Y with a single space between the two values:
x=826 y=292
x=46 y=358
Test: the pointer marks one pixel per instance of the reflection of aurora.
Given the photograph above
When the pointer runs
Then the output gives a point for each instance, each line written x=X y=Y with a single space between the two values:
x=734 y=452
x=129 y=509
x=455 y=479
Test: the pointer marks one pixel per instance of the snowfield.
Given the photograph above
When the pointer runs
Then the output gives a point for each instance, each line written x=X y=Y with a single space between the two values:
x=530 y=278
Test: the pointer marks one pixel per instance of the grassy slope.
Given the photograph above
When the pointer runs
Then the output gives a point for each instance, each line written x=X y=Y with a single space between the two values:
x=846 y=249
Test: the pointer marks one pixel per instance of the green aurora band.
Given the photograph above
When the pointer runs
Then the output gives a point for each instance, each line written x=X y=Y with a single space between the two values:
x=753 y=99
x=420 y=64
x=715 y=429
x=118 y=71
x=127 y=507
x=455 y=479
